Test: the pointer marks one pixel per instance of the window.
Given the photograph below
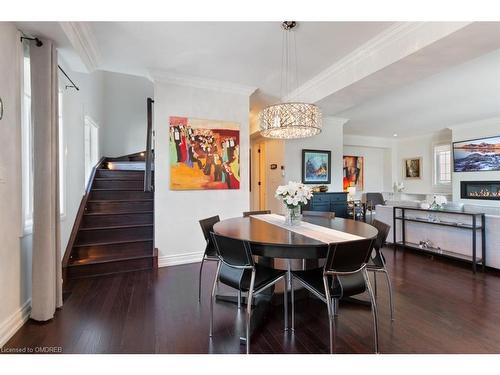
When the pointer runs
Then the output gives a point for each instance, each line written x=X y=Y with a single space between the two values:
x=62 y=157
x=91 y=148
x=442 y=164
x=27 y=145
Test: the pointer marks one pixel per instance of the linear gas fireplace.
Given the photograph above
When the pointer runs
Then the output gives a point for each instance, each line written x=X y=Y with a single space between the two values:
x=480 y=190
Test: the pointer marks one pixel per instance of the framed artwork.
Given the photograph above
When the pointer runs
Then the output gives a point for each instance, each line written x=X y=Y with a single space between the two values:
x=316 y=167
x=354 y=172
x=204 y=154
x=412 y=168
x=477 y=155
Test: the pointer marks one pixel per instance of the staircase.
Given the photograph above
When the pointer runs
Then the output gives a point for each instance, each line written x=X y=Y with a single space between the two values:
x=114 y=228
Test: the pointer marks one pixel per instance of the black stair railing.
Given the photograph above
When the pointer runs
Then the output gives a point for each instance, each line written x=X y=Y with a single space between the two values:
x=148 y=186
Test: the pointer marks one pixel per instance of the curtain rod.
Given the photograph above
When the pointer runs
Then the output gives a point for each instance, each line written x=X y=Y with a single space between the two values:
x=39 y=43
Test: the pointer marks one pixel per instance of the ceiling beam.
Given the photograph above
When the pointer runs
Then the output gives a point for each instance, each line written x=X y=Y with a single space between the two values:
x=397 y=42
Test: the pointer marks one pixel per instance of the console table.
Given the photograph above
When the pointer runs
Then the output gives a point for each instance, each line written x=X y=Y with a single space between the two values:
x=329 y=202
x=477 y=223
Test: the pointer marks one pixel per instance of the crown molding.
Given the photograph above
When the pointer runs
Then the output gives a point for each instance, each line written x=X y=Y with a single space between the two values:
x=200 y=83
x=341 y=121
x=391 y=45
x=83 y=41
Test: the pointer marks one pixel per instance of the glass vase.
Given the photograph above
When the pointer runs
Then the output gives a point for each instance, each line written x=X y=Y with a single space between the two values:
x=293 y=216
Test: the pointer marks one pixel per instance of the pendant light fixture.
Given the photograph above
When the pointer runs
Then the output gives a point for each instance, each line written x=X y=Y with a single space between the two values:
x=290 y=120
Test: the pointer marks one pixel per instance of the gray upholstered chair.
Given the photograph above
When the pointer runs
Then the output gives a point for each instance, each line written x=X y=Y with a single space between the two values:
x=371 y=200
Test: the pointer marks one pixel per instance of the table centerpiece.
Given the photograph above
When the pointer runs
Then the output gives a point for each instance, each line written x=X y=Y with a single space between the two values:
x=294 y=195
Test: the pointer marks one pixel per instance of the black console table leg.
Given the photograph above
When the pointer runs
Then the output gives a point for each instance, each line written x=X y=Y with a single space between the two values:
x=474 y=235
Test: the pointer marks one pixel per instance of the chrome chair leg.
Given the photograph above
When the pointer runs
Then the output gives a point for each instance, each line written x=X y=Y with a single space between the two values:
x=239 y=299
x=335 y=307
x=285 y=301
x=374 y=308
x=212 y=300
x=375 y=283
x=293 y=303
x=330 y=314
x=288 y=283
x=389 y=285
x=249 y=311
x=199 y=279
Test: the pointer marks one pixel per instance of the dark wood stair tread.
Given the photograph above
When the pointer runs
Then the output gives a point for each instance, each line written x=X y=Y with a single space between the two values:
x=116 y=179
x=117 y=213
x=124 y=226
x=114 y=230
x=106 y=259
x=101 y=243
x=120 y=200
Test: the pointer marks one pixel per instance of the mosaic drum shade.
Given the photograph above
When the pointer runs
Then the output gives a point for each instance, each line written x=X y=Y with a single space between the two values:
x=290 y=121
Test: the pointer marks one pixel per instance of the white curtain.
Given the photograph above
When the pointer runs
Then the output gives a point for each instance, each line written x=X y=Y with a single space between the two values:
x=47 y=272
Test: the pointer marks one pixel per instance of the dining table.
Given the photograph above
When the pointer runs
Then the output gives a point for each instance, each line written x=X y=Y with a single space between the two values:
x=290 y=247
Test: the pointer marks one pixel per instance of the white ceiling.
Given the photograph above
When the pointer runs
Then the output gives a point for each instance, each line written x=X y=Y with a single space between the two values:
x=437 y=86
x=468 y=92
x=246 y=53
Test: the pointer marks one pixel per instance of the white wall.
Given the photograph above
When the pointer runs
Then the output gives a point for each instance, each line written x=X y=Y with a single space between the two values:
x=15 y=251
x=331 y=138
x=478 y=129
x=125 y=122
x=88 y=101
x=374 y=167
x=422 y=146
x=178 y=236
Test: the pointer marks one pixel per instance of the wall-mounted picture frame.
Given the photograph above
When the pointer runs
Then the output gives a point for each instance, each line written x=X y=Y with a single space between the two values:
x=204 y=154
x=412 y=168
x=354 y=172
x=316 y=167
x=477 y=155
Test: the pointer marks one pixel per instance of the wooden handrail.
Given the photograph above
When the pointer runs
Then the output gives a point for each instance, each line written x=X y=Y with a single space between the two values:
x=149 y=154
x=79 y=216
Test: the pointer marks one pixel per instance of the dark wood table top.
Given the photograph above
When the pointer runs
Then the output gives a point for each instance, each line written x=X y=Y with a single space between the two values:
x=274 y=241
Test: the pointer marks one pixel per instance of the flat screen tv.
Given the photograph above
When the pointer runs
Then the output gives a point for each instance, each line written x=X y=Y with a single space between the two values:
x=475 y=155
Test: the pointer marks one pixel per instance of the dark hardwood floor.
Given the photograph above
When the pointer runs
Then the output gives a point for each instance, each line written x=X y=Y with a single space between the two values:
x=440 y=307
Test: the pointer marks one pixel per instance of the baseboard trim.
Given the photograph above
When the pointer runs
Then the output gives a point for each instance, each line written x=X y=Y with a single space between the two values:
x=10 y=326
x=178 y=259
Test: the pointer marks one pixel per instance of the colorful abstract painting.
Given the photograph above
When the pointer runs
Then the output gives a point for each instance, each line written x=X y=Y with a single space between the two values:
x=204 y=154
x=354 y=173
x=316 y=167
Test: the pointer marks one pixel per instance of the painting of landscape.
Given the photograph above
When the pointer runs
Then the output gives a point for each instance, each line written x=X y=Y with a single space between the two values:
x=477 y=155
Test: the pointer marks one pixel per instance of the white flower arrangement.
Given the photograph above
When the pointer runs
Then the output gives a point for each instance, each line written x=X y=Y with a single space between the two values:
x=294 y=194
x=398 y=187
x=438 y=202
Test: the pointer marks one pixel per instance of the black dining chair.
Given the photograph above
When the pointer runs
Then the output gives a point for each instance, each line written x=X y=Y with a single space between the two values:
x=250 y=213
x=238 y=270
x=376 y=262
x=371 y=200
x=325 y=214
x=210 y=254
x=343 y=275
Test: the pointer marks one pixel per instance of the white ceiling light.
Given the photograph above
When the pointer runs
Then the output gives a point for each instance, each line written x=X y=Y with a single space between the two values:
x=290 y=120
